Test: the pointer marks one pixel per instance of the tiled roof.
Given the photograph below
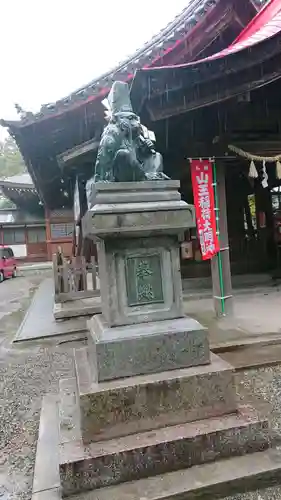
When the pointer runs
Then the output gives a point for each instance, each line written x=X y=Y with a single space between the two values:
x=16 y=216
x=18 y=180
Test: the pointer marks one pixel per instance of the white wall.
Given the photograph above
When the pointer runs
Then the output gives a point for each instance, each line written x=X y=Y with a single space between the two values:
x=19 y=250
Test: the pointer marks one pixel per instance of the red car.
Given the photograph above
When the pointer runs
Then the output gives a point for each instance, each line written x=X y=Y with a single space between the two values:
x=8 y=265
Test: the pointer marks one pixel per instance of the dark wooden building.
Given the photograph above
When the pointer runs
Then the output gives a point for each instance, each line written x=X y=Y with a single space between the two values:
x=23 y=227
x=32 y=231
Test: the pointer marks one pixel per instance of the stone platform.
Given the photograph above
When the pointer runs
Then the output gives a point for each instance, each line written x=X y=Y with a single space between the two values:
x=175 y=434
x=142 y=426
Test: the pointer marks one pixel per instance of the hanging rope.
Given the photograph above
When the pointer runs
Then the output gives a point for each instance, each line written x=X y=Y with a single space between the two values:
x=264 y=159
x=250 y=156
x=265 y=176
x=253 y=173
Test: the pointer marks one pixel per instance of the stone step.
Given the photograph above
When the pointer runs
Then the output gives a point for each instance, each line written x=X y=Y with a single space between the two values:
x=203 y=482
x=163 y=450
x=77 y=308
x=142 y=403
x=53 y=494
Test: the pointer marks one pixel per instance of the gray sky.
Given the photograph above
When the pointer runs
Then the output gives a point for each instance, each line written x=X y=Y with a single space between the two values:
x=49 y=48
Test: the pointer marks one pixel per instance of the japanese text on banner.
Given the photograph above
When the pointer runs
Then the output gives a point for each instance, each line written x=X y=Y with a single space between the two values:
x=202 y=184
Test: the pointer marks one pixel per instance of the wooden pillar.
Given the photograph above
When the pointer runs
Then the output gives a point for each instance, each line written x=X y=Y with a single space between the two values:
x=25 y=235
x=225 y=290
x=249 y=220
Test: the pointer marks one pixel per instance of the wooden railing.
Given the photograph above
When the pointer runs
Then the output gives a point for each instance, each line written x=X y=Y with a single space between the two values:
x=74 y=280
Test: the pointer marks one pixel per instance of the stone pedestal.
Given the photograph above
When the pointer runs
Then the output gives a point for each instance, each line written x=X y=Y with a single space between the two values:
x=137 y=227
x=143 y=348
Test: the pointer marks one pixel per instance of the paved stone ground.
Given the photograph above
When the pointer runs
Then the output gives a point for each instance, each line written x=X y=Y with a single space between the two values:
x=257 y=312
x=26 y=373
x=40 y=323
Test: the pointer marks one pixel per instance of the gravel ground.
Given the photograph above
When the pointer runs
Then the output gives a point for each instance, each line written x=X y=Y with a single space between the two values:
x=26 y=373
x=264 y=384
x=267 y=494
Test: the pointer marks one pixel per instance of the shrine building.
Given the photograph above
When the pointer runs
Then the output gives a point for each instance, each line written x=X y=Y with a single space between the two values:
x=32 y=231
x=208 y=86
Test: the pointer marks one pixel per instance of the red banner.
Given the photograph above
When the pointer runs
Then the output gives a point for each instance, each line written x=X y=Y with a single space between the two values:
x=203 y=191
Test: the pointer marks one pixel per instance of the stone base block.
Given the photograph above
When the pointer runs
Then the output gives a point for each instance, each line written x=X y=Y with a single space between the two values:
x=145 y=402
x=163 y=450
x=145 y=348
x=78 y=307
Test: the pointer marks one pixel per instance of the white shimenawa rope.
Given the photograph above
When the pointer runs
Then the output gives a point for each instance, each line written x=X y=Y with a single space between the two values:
x=253 y=173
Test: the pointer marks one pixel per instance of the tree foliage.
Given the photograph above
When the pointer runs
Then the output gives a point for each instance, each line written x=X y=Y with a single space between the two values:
x=11 y=161
x=6 y=203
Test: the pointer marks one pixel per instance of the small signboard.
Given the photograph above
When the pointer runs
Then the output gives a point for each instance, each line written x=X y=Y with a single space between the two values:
x=186 y=250
x=76 y=202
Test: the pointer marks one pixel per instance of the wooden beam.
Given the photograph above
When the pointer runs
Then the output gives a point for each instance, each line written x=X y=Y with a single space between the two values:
x=82 y=149
x=208 y=94
x=259 y=147
x=244 y=11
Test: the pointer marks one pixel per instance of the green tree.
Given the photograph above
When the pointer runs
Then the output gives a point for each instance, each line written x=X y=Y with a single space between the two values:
x=6 y=203
x=11 y=161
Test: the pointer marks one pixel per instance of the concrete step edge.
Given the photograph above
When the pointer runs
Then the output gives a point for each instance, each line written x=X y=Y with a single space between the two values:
x=264 y=339
x=46 y=471
x=207 y=481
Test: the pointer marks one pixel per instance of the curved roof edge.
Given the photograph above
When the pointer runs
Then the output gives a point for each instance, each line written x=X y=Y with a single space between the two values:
x=21 y=181
x=259 y=42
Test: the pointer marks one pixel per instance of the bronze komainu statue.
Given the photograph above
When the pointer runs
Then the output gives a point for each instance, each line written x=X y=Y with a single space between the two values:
x=126 y=152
